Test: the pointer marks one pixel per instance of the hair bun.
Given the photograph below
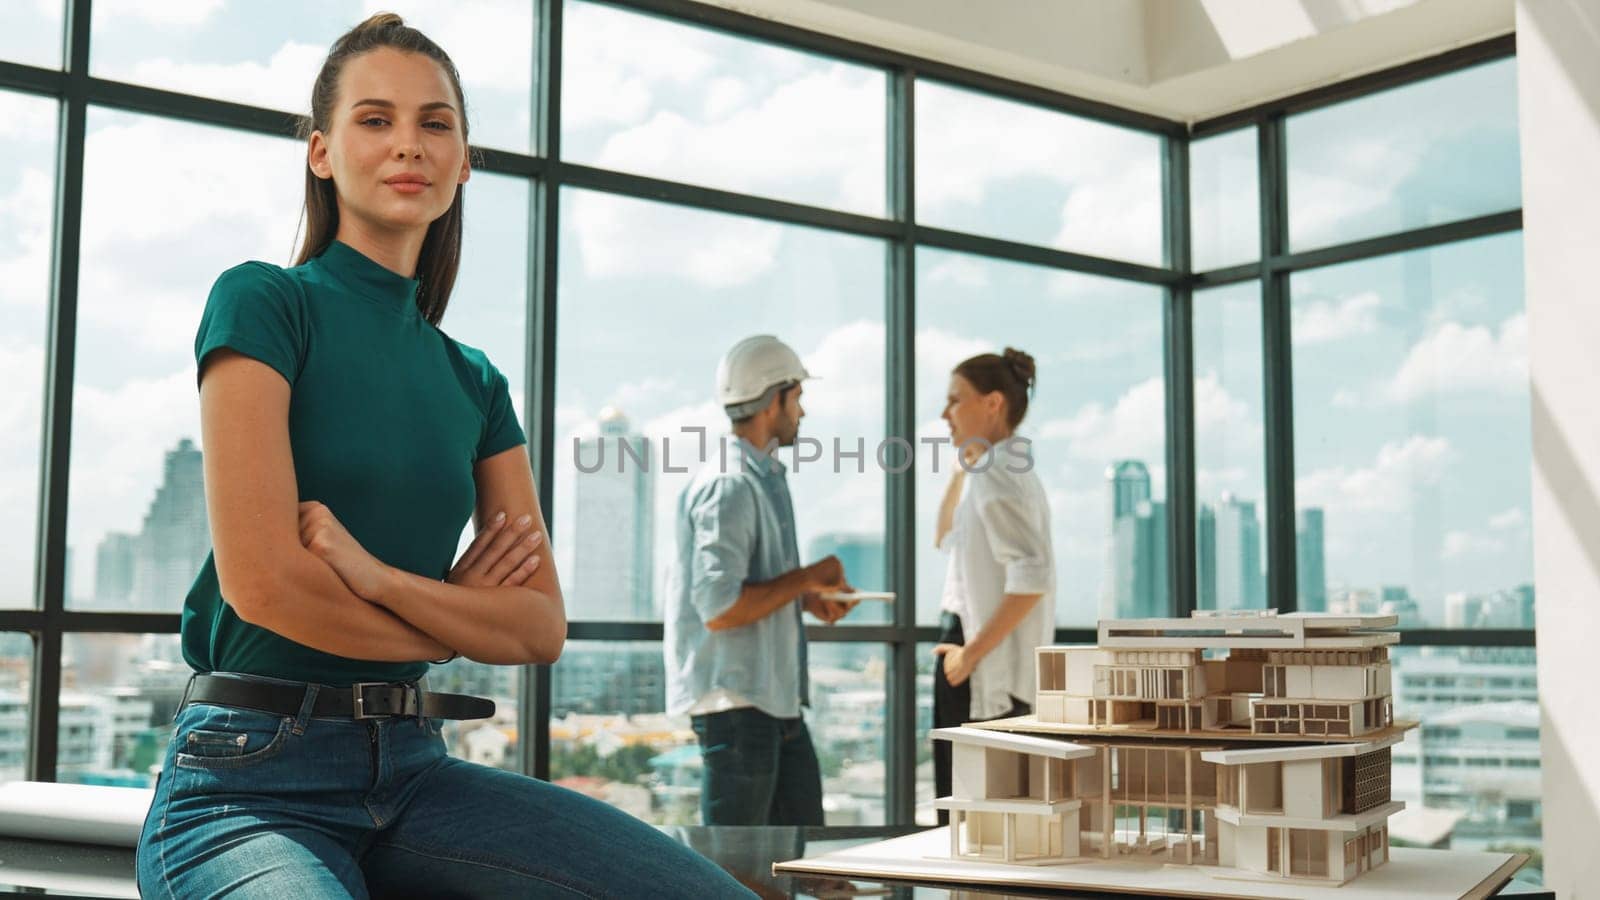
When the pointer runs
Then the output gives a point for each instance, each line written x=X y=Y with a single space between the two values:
x=1021 y=366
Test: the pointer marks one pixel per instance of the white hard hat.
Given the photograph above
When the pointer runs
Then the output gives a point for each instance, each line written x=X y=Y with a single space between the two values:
x=754 y=365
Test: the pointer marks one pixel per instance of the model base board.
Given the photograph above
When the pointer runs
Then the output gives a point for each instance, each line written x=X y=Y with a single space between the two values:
x=925 y=856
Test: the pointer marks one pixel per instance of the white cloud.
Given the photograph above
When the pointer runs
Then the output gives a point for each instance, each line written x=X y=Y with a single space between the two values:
x=849 y=366
x=1509 y=520
x=1459 y=544
x=968 y=145
x=239 y=200
x=1134 y=428
x=723 y=96
x=1213 y=482
x=1458 y=358
x=488 y=40
x=23 y=116
x=615 y=61
x=1387 y=484
x=22 y=372
x=1217 y=410
x=960 y=270
x=938 y=352
x=170 y=13
x=1116 y=215
x=25 y=275
x=619 y=237
x=133 y=165
x=792 y=141
x=649 y=393
x=119 y=436
x=283 y=82
x=1322 y=321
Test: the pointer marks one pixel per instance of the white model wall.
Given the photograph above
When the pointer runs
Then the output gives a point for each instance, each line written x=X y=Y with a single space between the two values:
x=1558 y=71
x=1227 y=844
x=1250 y=848
x=1302 y=789
x=1338 y=682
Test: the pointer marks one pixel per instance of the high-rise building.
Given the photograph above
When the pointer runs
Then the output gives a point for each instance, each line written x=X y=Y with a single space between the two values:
x=861 y=555
x=114 y=562
x=614 y=525
x=1136 y=568
x=1502 y=609
x=1478 y=748
x=1129 y=481
x=1240 y=582
x=1312 y=579
x=1205 y=559
x=1396 y=600
x=609 y=678
x=153 y=570
x=862 y=558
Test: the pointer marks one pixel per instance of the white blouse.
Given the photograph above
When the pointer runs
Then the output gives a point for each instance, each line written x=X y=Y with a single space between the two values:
x=999 y=544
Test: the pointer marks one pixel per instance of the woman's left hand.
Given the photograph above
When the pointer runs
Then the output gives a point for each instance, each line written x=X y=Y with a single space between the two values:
x=958 y=662
x=325 y=536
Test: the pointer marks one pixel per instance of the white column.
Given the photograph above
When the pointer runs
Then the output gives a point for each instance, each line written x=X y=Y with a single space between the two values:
x=1558 y=64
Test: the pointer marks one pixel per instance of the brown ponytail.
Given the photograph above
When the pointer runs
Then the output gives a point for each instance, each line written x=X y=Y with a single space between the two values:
x=441 y=249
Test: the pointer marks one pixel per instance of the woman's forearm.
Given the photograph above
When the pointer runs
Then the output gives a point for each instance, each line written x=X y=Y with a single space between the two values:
x=309 y=604
x=1013 y=609
x=498 y=625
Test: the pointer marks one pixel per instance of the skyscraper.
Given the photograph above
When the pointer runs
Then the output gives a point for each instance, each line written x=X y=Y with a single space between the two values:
x=152 y=571
x=862 y=558
x=614 y=524
x=861 y=555
x=1239 y=580
x=1129 y=481
x=114 y=561
x=1205 y=559
x=1136 y=576
x=1312 y=589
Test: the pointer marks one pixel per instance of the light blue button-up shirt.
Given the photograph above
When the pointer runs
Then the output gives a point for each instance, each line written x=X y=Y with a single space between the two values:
x=734 y=526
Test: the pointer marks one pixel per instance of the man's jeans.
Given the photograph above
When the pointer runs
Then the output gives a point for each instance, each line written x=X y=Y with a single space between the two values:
x=757 y=770
x=250 y=804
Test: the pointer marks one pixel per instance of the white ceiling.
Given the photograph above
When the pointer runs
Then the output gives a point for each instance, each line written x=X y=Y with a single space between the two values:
x=1181 y=59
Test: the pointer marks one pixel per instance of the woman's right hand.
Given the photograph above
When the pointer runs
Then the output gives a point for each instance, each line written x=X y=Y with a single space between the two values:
x=502 y=553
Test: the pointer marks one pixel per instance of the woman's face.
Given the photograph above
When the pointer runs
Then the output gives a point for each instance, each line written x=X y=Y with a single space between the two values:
x=394 y=145
x=970 y=413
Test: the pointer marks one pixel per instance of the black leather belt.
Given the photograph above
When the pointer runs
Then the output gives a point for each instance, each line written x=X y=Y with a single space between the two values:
x=366 y=700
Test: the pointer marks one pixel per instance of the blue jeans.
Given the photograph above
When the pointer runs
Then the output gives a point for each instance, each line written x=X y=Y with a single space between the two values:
x=757 y=770
x=250 y=804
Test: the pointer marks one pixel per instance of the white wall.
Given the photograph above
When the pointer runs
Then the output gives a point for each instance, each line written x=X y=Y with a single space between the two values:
x=1302 y=788
x=1558 y=48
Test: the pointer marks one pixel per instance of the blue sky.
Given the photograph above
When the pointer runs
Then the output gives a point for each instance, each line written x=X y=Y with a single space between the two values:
x=1409 y=373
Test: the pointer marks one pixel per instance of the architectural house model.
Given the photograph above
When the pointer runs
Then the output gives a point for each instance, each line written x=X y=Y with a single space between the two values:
x=1249 y=741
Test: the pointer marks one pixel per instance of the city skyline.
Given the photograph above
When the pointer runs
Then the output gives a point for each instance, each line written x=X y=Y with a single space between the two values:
x=152 y=571
x=613 y=557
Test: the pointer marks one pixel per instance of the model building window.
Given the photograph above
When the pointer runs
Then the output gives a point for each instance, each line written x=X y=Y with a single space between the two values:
x=1263 y=789
x=1308 y=852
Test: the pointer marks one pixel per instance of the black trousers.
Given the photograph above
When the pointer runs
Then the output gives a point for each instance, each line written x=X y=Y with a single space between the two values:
x=952 y=705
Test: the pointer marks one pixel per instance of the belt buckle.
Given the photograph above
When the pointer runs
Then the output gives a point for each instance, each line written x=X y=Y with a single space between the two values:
x=359 y=695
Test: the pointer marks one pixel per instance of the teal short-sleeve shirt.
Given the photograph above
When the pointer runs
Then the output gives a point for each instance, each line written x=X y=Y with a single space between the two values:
x=387 y=416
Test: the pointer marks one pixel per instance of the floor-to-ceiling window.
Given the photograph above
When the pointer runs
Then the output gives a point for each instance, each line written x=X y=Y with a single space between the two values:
x=1290 y=374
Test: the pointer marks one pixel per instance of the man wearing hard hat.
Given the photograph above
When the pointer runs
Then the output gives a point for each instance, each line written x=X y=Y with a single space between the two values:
x=735 y=647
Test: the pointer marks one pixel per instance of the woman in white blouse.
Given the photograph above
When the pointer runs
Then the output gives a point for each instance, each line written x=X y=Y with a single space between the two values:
x=999 y=589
